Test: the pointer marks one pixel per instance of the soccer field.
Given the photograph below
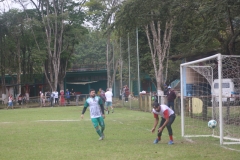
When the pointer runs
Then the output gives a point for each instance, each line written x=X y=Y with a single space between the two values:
x=59 y=134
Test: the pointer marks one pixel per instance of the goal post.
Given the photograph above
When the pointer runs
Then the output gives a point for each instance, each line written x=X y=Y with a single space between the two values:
x=210 y=89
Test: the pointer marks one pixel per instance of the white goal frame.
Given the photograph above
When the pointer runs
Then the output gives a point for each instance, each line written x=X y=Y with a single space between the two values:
x=183 y=92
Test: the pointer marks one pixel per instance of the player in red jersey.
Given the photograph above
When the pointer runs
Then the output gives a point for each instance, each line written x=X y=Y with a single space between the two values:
x=168 y=117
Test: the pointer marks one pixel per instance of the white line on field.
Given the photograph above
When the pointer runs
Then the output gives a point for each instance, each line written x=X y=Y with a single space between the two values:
x=7 y=122
x=117 y=121
x=66 y=120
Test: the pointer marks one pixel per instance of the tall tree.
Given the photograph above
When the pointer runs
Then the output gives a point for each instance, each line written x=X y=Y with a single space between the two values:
x=157 y=20
x=54 y=17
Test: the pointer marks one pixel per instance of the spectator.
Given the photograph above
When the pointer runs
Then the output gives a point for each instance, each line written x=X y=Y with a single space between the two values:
x=10 y=101
x=27 y=97
x=56 y=97
x=62 y=100
x=171 y=97
x=165 y=90
x=44 y=100
x=68 y=96
x=48 y=96
x=20 y=99
x=52 y=98
x=41 y=98
x=102 y=95
x=126 y=93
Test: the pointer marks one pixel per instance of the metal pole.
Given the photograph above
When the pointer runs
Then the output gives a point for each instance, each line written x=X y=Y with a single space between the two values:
x=182 y=107
x=139 y=87
x=114 y=93
x=121 y=64
x=129 y=69
x=220 y=97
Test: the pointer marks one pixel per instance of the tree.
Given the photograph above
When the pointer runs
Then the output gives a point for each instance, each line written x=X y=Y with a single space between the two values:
x=54 y=17
x=206 y=27
x=109 y=18
x=157 y=20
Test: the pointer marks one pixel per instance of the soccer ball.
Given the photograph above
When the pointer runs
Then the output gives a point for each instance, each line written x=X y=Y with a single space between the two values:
x=212 y=123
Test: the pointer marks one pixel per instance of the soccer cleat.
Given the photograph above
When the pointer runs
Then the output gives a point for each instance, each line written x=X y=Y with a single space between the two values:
x=170 y=142
x=155 y=141
x=101 y=138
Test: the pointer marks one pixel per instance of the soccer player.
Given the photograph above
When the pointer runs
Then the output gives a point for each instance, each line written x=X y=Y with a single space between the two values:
x=108 y=96
x=168 y=117
x=96 y=112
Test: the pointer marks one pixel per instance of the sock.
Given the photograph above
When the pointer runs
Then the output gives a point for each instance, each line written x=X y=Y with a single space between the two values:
x=171 y=138
x=99 y=132
x=102 y=129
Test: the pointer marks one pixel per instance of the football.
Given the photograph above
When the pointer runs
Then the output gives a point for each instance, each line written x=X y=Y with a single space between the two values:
x=212 y=123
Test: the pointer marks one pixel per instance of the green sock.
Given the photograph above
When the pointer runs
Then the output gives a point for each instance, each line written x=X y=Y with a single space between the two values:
x=102 y=129
x=99 y=132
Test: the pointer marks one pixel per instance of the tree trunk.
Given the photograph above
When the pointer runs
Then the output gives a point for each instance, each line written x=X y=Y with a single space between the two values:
x=19 y=67
x=159 y=47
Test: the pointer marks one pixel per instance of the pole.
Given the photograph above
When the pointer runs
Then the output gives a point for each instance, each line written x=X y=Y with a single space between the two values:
x=129 y=69
x=114 y=93
x=139 y=85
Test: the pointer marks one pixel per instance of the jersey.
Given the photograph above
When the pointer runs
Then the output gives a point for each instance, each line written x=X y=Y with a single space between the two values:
x=108 y=96
x=94 y=105
x=164 y=112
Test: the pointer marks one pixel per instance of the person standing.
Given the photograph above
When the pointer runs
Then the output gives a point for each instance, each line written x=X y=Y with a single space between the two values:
x=126 y=93
x=165 y=90
x=108 y=96
x=41 y=98
x=168 y=117
x=56 y=97
x=68 y=96
x=171 y=96
x=102 y=95
x=27 y=97
x=44 y=100
x=52 y=98
x=10 y=101
x=62 y=99
x=20 y=99
x=96 y=112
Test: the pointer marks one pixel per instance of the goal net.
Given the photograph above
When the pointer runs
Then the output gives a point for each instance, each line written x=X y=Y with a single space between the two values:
x=210 y=89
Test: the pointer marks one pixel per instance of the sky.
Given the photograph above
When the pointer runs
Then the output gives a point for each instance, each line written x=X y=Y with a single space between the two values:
x=5 y=5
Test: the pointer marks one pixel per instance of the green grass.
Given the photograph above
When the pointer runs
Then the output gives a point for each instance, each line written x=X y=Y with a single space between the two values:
x=59 y=134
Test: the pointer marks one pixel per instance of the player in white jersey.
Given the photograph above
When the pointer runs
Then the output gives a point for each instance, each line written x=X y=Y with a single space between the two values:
x=168 y=117
x=96 y=107
x=108 y=102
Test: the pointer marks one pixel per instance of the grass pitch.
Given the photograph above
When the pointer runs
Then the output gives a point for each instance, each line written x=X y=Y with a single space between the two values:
x=59 y=134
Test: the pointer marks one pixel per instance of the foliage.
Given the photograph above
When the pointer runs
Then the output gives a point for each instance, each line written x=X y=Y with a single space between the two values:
x=91 y=50
x=207 y=26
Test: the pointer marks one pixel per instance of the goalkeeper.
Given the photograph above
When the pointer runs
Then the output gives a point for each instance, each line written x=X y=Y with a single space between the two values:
x=168 y=117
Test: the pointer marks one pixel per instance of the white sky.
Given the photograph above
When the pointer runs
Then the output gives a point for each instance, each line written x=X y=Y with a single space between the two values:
x=5 y=5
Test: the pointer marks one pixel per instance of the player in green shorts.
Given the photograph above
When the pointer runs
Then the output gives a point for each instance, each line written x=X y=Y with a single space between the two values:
x=96 y=107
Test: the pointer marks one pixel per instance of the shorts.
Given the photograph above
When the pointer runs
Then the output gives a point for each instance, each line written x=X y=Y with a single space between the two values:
x=108 y=104
x=98 y=121
x=10 y=104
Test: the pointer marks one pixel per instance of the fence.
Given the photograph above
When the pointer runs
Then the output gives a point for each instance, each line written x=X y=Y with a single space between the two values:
x=75 y=100
x=143 y=102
